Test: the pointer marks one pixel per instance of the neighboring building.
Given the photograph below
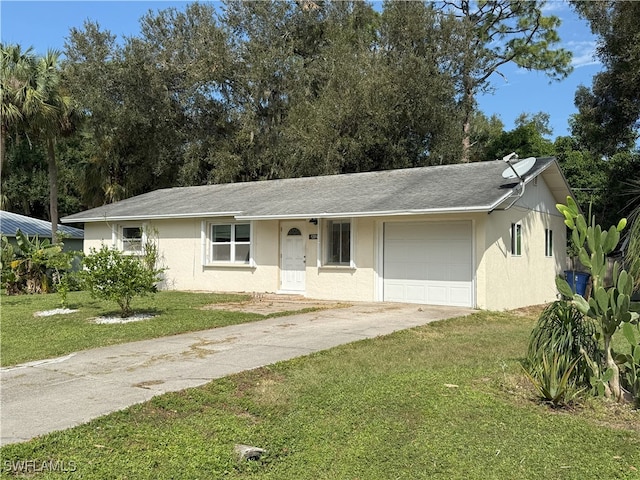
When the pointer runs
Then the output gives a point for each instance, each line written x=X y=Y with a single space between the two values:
x=446 y=235
x=10 y=223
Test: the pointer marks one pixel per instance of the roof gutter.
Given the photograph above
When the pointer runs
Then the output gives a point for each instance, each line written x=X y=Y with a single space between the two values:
x=297 y=216
x=508 y=196
x=385 y=213
x=123 y=218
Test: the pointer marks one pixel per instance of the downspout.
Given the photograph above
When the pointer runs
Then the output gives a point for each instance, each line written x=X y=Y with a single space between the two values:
x=522 y=186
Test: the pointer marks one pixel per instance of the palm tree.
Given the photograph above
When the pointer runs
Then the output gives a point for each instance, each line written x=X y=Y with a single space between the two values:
x=18 y=90
x=33 y=101
x=53 y=117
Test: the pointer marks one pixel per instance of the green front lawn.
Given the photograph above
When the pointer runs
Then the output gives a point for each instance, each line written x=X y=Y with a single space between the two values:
x=444 y=401
x=25 y=337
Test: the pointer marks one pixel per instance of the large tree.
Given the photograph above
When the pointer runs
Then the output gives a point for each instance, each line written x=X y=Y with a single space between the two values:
x=20 y=92
x=259 y=90
x=155 y=103
x=111 y=91
x=527 y=139
x=269 y=71
x=484 y=131
x=609 y=112
x=50 y=119
x=339 y=88
x=487 y=35
x=34 y=104
x=603 y=186
x=25 y=178
x=608 y=118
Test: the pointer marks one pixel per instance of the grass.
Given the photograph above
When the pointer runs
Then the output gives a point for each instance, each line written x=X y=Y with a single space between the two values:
x=24 y=337
x=444 y=401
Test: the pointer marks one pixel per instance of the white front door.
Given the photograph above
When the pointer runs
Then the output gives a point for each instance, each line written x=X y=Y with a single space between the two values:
x=293 y=257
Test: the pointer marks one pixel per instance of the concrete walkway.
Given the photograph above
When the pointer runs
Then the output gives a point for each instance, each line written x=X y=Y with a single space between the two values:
x=41 y=397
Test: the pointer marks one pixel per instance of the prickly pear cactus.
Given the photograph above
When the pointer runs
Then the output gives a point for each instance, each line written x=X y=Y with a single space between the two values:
x=610 y=305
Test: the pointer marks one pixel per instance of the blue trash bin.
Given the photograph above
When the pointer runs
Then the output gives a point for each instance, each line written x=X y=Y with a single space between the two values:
x=577 y=281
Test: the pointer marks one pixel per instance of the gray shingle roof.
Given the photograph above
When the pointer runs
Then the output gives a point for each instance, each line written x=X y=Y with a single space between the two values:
x=11 y=222
x=460 y=187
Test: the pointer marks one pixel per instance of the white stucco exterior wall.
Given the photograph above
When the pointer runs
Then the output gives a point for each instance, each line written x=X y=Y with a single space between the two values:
x=501 y=280
x=344 y=283
x=506 y=281
x=180 y=246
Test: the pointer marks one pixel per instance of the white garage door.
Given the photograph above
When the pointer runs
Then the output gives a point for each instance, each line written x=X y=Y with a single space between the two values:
x=428 y=262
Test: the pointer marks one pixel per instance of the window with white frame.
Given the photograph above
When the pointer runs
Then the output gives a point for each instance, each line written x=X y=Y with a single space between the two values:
x=132 y=239
x=516 y=239
x=548 y=242
x=338 y=242
x=230 y=243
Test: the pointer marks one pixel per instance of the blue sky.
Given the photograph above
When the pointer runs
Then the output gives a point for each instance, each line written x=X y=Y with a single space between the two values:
x=46 y=24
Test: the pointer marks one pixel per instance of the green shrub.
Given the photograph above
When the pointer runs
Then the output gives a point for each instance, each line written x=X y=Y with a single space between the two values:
x=32 y=265
x=112 y=275
x=563 y=330
x=554 y=380
x=69 y=281
x=632 y=252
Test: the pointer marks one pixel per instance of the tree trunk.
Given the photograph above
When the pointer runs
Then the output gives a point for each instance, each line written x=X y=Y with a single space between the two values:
x=614 y=383
x=468 y=84
x=466 y=139
x=3 y=134
x=467 y=107
x=468 y=103
x=53 y=188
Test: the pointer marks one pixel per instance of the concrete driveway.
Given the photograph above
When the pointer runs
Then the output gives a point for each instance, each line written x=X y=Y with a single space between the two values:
x=41 y=397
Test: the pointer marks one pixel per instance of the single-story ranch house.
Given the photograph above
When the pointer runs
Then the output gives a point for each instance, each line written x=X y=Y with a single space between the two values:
x=460 y=235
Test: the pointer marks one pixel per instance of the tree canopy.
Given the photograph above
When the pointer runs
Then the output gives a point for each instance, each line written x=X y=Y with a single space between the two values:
x=207 y=96
x=609 y=112
x=245 y=91
x=35 y=105
x=486 y=35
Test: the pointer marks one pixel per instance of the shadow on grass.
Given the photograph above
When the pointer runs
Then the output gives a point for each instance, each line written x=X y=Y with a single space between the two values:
x=289 y=313
x=155 y=312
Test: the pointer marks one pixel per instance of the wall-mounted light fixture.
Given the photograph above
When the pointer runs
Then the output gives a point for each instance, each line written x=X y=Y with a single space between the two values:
x=314 y=221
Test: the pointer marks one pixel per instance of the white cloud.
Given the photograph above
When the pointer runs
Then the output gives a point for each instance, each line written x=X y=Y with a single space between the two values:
x=555 y=6
x=584 y=53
